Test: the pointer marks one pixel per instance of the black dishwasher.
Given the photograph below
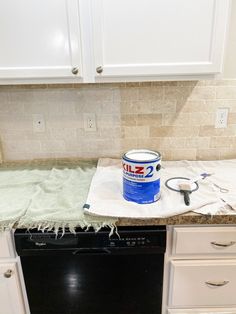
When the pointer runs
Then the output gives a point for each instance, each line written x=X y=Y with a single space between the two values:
x=93 y=273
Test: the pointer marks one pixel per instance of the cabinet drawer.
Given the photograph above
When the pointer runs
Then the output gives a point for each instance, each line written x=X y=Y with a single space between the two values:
x=204 y=240
x=5 y=245
x=203 y=311
x=203 y=283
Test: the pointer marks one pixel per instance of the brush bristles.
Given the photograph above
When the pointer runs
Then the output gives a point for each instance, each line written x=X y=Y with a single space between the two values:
x=185 y=186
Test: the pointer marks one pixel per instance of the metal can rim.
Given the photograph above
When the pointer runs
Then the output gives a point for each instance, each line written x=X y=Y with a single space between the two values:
x=158 y=155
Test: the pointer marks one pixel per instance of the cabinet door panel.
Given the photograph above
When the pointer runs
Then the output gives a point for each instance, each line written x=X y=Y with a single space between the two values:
x=204 y=240
x=203 y=311
x=11 y=301
x=39 y=38
x=203 y=283
x=4 y=245
x=159 y=37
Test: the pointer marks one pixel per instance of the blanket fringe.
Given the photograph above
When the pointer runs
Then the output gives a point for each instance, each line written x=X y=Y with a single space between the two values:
x=57 y=227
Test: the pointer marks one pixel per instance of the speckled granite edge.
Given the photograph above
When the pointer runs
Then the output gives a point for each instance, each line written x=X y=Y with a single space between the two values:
x=185 y=219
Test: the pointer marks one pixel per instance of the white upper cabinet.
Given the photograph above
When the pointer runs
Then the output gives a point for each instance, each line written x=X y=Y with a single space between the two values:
x=110 y=40
x=40 y=39
x=158 y=38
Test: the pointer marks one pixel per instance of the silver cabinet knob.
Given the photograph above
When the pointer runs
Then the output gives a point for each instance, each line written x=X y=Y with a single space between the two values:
x=8 y=273
x=99 y=70
x=75 y=70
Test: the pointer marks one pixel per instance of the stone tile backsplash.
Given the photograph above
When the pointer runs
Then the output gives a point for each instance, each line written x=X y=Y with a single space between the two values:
x=176 y=118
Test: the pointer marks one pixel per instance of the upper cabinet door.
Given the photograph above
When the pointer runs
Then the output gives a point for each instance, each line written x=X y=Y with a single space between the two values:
x=39 y=39
x=158 y=37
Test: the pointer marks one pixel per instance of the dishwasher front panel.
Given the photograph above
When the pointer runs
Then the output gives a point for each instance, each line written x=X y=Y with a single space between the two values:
x=99 y=284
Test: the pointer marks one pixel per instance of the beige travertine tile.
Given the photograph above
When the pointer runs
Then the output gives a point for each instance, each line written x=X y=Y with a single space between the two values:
x=202 y=118
x=161 y=106
x=232 y=118
x=209 y=130
x=135 y=132
x=129 y=106
x=193 y=106
x=188 y=83
x=151 y=93
x=183 y=154
x=166 y=154
x=125 y=94
x=172 y=142
x=129 y=119
x=180 y=119
x=228 y=153
x=226 y=142
x=23 y=146
x=202 y=93
x=97 y=94
x=128 y=144
x=163 y=145
x=208 y=154
x=53 y=146
x=173 y=131
x=63 y=134
x=149 y=119
x=226 y=92
x=176 y=118
x=107 y=121
x=147 y=143
x=165 y=83
x=177 y=93
x=226 y=82
x=1 y=152
x=136 y=84
x=197 y=142
x=114 y=134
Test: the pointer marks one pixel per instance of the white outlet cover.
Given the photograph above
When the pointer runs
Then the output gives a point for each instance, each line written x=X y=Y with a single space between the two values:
x=38 y=123
x=221 y=118
x=90 y=122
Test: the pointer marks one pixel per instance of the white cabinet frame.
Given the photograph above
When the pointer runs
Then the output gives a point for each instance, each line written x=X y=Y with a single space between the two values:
x=213 y=66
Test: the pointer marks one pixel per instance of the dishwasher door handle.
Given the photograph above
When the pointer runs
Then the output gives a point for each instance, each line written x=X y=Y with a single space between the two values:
x=89 y=251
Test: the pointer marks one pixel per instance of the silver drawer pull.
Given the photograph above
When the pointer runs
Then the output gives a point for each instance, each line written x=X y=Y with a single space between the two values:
x=223 y=244
x=8 y=273
x=217 y=283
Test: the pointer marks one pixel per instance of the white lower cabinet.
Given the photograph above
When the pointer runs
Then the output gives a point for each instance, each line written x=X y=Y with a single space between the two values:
x=201 y=264
x=203 y=283
x=203 y=311
x=11 y=287
x=10 y=290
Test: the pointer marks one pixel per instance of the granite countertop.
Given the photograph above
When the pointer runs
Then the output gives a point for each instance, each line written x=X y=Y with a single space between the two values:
x=188 y=218
x=184 y=219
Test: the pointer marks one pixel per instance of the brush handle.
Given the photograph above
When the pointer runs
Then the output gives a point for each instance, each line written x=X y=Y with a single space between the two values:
x=186 y=198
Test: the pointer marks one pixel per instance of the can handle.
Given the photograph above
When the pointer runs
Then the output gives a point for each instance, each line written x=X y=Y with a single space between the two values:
x=158 y=167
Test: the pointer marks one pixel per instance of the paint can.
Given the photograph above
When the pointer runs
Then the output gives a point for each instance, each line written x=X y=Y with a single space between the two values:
x=141 y=176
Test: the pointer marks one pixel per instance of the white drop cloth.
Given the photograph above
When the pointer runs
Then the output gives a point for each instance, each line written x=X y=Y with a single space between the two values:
x=105 y=194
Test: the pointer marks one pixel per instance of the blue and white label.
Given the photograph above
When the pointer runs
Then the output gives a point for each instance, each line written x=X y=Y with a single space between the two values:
x=141 y=179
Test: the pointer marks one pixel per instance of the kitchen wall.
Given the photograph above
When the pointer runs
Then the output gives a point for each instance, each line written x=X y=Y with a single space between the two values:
x=176 y=118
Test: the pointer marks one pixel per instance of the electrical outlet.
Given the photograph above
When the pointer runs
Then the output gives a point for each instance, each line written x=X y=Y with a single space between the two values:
x=89 y=122
x=38 y=123
x=221 y=118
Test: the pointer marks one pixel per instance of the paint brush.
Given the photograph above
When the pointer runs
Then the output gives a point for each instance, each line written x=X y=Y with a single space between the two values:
x=185 y=189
